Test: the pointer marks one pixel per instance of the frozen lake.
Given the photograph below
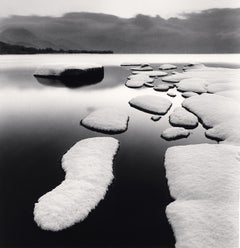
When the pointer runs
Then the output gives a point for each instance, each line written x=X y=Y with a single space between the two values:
x=40 y=122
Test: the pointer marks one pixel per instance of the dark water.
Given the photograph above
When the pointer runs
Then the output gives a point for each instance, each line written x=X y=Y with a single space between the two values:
x=39 y=123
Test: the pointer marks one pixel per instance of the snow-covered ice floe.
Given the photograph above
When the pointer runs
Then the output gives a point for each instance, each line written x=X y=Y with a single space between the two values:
x=196 y=85
x=163 y=86
x=80 y=72
x=188 y=94
x=137 y=81
x=183 y=118
x=151 y=73
x=88 y=168
x=142 y=68
x=107 y=120
x=204 y=180
x=151 y=104
x=167 y=67
x=203 y=171
x=204 y=223
x=173 y=133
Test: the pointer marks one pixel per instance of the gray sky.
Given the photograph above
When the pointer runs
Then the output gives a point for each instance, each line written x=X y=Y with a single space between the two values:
x=123 y=8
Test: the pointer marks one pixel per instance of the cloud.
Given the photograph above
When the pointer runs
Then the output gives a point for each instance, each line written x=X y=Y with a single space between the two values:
x=209 y=31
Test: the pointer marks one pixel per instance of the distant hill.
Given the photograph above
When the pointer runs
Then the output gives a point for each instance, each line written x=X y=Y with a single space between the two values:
x=17 y=49
x=209 y=31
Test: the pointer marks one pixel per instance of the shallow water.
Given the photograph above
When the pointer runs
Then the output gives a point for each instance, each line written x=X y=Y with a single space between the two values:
x=40 y=122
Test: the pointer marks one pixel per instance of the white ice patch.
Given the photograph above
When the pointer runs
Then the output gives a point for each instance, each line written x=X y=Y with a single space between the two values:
x=203 y=171
x=188 y=94
x=111 y=120
x=204 y=224
x=137 y=81
x=151 y=104
x=182 y=117
x=167 y=67
x=151 y=73
x=57 y=70
x=173 y=133
x=88 y=168
x=227 y=131
x=212 y=109
x=197 y=85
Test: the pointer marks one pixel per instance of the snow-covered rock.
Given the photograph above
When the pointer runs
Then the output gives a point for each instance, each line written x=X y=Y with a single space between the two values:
x=204 y=224
x=233 y=94
x=83 y=72
x=137 y=81
x=171 y=93
x=156 y=118
x=188 y=94
x=142 y=68
x=212 y=109
x=150 y=85
x=151 y=73
x=167 y=67
x=196 y=85
x=163 y=87
x=217 y=87
x=203 y=171
x=174 y=133
x=88 y=167
x=151 y=104
x=183 y=118
x=107 y=120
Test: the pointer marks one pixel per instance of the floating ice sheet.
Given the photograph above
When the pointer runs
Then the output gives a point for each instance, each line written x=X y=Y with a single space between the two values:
x=88 y=168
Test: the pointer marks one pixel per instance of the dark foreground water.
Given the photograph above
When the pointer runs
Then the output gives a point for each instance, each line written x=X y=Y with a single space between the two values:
x=40 y=122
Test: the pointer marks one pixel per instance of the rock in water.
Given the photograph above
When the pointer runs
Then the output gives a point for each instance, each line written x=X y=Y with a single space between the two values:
x=88 y=167
x=174 y=133
x=107 y=120
x=76 y=74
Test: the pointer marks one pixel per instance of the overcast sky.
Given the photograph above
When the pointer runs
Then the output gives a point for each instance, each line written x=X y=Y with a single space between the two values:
x=123 y=8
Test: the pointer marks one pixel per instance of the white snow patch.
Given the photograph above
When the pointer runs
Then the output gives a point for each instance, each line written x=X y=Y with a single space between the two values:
x=197 y=85
x=212 y=109
x=151 y=73
x=182 y=117
x=175 y=133
x=216 y=87
x=107 y=120
x=203 y=171
x=234 y=94
x=137 y=81
x=204 y=224
x=88 y=167
x=167 y=67
x=188 y=94
x=152 y=104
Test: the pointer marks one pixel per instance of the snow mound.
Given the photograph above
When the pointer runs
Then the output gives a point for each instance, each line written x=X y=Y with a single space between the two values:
x=163 y=87
x=88 y=167
x=234 y=94
x=196 y=85
x=149 y=85
x=227 y=132
x=183 y=118
x=174 y=78
x=203 y=171
x=151 y=73
x=137 y=81
x=204 y=224
x=107 y=120
x=174 y=133
x=171 y=93
x=151 y=104
x=212 y=109
x=156 y=118
x=188 y=94
x=167 y=67
x=216 y=87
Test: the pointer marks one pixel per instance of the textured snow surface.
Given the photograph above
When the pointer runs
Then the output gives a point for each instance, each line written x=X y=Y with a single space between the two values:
x=227 y=131
x=182 y=117
x=58 y=69
x=203 y=171
x=212 y=109
x=197 y=85
x=151 y=73
x=167 y=67
x=175 y=133
x=204 y=224
x=107 y=120
x=137 y=81
x=188 y=94
x=88 y=167
x=152 y=104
